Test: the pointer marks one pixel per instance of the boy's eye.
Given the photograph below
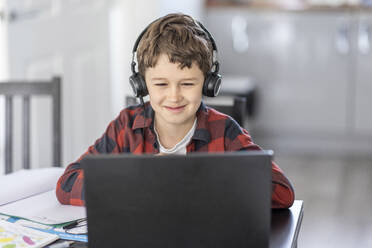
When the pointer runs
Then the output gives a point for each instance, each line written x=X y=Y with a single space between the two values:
x=160 y=84
x=188 y=84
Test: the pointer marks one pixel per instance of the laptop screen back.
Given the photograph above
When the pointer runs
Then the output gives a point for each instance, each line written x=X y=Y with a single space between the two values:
x=198 y=200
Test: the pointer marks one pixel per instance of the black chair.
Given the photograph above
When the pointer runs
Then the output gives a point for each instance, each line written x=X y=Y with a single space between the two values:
x=237 y=110
x=28 y=89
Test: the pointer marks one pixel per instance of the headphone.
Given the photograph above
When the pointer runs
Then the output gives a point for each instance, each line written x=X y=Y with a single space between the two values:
x=212 y=82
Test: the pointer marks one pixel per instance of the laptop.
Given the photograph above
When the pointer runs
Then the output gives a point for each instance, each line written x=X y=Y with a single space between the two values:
x=198 y=200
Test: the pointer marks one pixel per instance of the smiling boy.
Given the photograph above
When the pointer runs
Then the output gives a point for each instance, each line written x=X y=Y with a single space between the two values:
x=175 y=57
x=175 y=96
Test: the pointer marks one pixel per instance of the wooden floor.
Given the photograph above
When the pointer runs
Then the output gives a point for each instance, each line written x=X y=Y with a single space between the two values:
x=337 y=194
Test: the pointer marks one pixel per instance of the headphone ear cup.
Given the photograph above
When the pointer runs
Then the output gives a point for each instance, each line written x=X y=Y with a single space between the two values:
x=144 y=91
x=138 y=84
x=212 y=84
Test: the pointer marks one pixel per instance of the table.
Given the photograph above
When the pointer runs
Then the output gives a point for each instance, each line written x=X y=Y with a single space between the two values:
x=285 y=223
x=285 y=226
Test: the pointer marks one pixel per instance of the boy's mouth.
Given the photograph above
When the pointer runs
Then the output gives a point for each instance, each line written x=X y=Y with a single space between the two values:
x=175 y=109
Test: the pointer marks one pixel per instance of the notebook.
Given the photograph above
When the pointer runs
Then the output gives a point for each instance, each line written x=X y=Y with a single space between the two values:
x=13 y=235
x=198 y=200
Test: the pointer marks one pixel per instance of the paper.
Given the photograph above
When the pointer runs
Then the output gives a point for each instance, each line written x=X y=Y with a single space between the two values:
x=25 y=183
x=13 y=236
x=44 y=208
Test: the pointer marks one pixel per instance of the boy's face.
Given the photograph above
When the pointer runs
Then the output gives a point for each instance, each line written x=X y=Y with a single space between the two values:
x=175 y=94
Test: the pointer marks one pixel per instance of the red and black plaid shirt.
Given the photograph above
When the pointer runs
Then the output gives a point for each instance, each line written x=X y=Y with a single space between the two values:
x=215 y=132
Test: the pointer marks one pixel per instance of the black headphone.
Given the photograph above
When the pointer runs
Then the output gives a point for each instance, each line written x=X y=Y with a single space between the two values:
x=212 y=82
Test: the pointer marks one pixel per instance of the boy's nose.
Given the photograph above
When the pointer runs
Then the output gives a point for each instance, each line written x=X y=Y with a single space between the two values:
x=175 y=94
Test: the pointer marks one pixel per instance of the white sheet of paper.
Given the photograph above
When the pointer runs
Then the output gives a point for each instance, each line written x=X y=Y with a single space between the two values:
x=44 y=208
x=25 y=183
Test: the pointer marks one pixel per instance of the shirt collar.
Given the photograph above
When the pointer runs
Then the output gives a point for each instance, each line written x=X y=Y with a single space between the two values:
x=202 y=132
x=140 y=115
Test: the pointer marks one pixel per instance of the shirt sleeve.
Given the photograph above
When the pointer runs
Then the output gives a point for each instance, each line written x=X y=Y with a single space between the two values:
x=282 y=190
x=70 y=188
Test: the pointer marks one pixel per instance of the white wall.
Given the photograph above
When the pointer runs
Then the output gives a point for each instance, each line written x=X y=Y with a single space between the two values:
x=3 y=75
x=127 y=19
x=191 y=7
x=67 y=38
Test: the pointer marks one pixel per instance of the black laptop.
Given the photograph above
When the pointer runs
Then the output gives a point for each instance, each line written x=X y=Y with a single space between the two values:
x=198 y=200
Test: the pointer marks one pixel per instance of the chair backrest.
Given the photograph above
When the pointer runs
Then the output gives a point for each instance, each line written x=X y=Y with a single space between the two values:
x=237 y=110
x=28 y=89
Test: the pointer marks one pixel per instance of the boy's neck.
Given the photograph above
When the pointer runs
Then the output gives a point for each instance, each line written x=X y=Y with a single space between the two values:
x=169 y=134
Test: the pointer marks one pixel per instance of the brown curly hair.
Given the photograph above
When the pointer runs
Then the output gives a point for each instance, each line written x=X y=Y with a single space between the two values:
x=178 y=36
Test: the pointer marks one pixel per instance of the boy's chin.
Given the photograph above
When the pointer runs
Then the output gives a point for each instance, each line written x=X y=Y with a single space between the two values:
x=178 y=120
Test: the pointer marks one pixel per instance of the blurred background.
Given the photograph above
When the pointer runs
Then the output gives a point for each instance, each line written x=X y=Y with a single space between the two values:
x=304 y=67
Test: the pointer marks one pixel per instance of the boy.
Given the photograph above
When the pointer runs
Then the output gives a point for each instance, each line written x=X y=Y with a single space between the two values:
x=175 y=56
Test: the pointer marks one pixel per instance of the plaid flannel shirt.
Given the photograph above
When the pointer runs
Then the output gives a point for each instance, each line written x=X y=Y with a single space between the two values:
x=215 y=132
